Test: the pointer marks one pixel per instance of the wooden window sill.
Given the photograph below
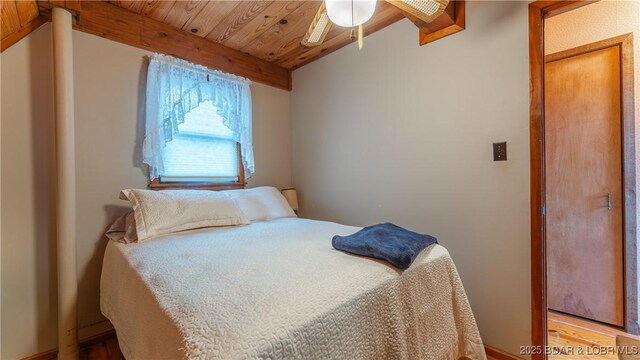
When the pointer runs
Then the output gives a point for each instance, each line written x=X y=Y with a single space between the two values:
x=157 y=185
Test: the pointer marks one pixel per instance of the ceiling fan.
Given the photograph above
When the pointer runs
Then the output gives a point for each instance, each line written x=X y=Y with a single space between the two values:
x=353 y=13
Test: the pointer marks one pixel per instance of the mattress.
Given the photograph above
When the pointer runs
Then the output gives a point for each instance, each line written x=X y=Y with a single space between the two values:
x=278 y=290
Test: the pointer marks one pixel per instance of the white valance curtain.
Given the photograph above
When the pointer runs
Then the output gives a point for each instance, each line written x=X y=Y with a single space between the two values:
x=174 y=88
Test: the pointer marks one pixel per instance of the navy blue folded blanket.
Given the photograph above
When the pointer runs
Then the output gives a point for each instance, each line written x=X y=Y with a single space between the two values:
x=386 y=241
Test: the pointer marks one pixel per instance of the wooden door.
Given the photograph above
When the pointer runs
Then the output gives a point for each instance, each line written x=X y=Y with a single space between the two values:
x=584 y=194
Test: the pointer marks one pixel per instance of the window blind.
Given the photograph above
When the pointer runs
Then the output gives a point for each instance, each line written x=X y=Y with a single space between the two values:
x=203 y=149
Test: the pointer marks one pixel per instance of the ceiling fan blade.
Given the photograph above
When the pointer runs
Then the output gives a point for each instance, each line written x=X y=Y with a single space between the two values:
x=425 y=10
x=319 y=28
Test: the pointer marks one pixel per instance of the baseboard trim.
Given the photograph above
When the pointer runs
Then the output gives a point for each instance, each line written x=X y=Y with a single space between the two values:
x=499 y=354
x=88 y=342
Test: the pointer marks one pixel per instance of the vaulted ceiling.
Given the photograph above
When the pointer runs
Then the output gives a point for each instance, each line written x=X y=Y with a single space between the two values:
x=269 y=30
x=17 y=18
x=258 y=39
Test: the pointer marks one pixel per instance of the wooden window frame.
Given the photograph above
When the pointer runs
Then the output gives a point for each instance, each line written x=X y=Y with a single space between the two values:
x=156 y=184
x=539 y=11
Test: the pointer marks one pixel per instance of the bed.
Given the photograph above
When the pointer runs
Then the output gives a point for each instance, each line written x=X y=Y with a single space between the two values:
x=278 y=290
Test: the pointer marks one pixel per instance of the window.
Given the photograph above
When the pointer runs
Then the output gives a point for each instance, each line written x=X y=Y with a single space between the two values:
x=203 y=150
x=197 y=126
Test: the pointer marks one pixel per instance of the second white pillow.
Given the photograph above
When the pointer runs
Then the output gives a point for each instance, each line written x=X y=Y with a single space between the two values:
x=262 y=203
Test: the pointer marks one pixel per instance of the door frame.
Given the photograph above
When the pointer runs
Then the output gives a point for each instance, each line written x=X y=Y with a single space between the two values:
x=538 y=12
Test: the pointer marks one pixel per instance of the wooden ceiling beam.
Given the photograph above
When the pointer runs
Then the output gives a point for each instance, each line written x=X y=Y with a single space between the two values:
x=25 y=30
x=455 y=22
x=115 y=23
x=445 y=19
x=450 y=22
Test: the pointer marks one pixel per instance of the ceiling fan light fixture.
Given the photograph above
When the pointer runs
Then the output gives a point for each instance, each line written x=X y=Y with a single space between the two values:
x=350 y=13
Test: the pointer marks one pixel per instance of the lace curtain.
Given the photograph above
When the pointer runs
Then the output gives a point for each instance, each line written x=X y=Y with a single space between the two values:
x=174 y=88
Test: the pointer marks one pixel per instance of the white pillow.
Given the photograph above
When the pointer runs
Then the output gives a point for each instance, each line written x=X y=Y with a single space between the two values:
x=123 y=230
x=262 y=203
x=163 y=212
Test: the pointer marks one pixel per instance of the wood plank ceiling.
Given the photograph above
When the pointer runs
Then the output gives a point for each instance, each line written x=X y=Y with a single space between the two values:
x=17 y=18
x=260 y=39
x=269 y=30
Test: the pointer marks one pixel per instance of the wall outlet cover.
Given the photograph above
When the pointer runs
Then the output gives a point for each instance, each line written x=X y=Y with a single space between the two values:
x=500 y=151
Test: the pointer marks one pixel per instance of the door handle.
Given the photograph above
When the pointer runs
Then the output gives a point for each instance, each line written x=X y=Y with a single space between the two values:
x=609 y=200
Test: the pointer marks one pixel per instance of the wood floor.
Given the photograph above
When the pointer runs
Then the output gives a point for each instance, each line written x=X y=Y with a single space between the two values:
x=100 y=347
x=107 y=349
x=573 y=338
x=565 y=333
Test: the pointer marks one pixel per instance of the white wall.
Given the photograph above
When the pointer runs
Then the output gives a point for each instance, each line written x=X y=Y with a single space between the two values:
x=594 y=22
x=109 y=84
x=403 y=133
x=28 y=262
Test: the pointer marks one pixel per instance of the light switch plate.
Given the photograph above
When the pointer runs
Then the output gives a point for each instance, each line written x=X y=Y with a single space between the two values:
x=500 y=151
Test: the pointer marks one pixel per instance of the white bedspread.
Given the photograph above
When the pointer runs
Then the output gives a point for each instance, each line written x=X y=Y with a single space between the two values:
x=277 y=290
